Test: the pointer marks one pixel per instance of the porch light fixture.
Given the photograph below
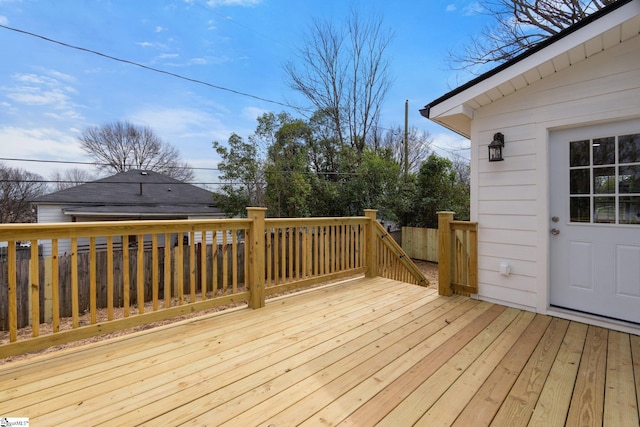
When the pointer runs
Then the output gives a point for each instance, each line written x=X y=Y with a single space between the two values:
x=495 y=148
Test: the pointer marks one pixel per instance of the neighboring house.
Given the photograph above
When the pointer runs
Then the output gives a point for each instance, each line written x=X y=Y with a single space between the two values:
x=563 y=208
x=131 y=195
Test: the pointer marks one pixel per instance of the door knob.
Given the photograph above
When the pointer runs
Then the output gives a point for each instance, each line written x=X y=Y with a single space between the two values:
x=555 y=231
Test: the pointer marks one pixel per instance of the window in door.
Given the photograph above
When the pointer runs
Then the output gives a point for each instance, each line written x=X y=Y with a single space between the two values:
x=604 y=180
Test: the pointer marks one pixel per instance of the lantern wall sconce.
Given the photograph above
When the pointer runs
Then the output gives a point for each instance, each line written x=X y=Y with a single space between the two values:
x=495 y=148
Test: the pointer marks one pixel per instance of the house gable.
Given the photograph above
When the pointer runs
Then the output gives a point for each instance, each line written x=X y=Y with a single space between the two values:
x=601 y=31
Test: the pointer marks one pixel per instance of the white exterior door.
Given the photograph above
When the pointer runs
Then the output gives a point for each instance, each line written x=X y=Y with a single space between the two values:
x=595 y=220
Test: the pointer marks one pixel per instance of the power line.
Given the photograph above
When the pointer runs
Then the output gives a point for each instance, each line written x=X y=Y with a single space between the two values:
x=167 y=167
x=91 y=163
x=146 y=67
x=169 y=73
x=179 y=76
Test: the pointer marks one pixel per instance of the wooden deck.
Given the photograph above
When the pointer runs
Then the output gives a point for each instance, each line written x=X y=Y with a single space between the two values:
x=363 y=352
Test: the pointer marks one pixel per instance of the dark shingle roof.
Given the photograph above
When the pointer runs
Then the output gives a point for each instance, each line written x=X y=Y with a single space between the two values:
x=134 y=190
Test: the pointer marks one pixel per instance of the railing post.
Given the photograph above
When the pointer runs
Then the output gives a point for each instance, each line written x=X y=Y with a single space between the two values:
x=444 y=253
x=371 y=250
x=256 y=246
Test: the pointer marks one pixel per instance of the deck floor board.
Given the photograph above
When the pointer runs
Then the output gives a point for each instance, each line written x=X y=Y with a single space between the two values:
x=362 y=352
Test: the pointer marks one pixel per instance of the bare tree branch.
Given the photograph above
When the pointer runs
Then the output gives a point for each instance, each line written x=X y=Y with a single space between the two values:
x=345 y=73
x=121 y=146
x=70 y=178
x=18 y=188
x=517 y=26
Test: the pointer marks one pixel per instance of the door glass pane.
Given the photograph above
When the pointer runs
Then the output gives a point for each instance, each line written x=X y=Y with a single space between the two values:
x=604 y=210
x=580 y=182
x=579 y=153
x=629 y=210
x=579 y=209
x=604 y=180
x=629 y=179
x=629 y=148
x=604 y=151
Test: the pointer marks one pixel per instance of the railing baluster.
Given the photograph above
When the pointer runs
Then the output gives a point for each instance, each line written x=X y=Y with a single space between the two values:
x=192 y=266
x=214 y=260
x=110 y=292
x=225 y=263
x=140 y=274
x=55 y=291
x=34 y=281
x=203 y=265
x=179 y=269
x=290 y=267
x=126 y=282
x=13 y=290
x=93 y=306
x=154 y=271
x=234 y=263
x=269 y=257
x=167 y=270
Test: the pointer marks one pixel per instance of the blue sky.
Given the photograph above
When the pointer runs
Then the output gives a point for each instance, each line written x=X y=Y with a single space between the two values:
x=50 y=93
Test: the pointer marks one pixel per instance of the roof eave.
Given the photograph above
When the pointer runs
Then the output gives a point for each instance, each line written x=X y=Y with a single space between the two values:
x=447 y=109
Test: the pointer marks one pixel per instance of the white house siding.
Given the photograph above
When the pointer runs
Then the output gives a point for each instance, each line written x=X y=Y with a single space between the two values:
x=510 y=199
x=53 y=213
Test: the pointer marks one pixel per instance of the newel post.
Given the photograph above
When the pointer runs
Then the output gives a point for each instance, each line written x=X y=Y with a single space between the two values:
x=444 y=253
x=372 y=253
x=256 y=257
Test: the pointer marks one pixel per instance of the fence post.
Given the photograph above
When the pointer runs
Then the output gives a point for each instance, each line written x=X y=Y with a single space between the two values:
x=371 y=250
x=256 y=245
x=444 y=253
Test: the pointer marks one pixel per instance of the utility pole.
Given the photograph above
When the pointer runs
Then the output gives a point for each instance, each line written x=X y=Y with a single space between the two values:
x=406 y=139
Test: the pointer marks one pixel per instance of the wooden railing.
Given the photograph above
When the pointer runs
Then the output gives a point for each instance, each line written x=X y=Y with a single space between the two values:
x=139 y=272
x=302 y=252
x=457 y=255
x=393 y=262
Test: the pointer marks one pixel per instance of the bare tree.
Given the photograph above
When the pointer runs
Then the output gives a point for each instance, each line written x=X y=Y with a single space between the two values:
x=121 y=146
x=519 y=25
x=419 y=146
x=18 y=188
x=345 y=73
x=70 y=178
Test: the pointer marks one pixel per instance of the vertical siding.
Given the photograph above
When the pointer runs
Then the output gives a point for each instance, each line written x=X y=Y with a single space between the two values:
x=510 y=198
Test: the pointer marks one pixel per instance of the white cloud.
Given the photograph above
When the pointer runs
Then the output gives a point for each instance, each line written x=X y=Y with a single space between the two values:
x=473 y=8
x=451 y=8
x=450 y=145
x=4 y=20
x=42 y=144
x=61 y=76
x=182 y=124
x=168 y=55
x=49 y=89
x=252 y=113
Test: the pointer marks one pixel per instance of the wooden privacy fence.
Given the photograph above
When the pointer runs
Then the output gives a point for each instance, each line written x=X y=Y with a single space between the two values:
x=220 y=262
x=458 y=255
x=420 y=243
